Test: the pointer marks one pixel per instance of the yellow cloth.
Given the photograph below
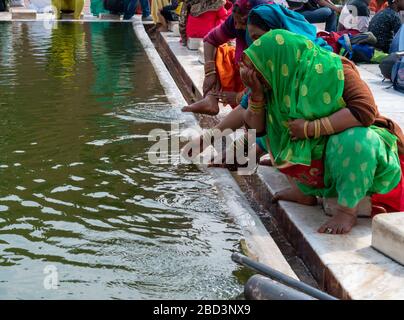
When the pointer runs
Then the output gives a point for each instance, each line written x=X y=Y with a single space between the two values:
x=156 y=6
x=178 y=10
x=70 y=5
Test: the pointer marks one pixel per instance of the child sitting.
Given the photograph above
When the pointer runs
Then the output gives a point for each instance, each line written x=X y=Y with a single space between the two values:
x=386 y=23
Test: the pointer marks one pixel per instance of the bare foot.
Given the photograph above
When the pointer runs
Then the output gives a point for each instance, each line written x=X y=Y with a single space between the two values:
x=208 y=105
x=294 y=195
x=342 y=222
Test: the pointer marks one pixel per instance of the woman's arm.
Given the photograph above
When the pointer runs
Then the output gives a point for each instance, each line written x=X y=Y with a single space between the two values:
x=234 y=120
x=361 y=109
x=339 y=121
x=216 y=37
x=254 y=117
x=329 y=4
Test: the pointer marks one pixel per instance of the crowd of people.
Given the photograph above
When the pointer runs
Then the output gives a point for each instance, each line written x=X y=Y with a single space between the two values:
x=313 y=115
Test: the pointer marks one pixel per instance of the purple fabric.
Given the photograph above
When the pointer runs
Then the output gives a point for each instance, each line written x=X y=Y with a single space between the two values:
x=227 y=31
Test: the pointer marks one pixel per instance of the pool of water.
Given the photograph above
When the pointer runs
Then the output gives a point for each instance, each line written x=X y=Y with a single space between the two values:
x=80 y=204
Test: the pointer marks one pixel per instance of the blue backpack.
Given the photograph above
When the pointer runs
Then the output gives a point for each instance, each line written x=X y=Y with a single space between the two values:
x=358 y=48
x=397 y=72
x=398 y=41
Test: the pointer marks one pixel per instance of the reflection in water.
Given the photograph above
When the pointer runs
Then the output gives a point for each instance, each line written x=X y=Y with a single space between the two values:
x=67 y=47
x=77 y=191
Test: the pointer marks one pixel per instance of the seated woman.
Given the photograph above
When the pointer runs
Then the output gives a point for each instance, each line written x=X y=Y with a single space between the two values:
x=68 y=6
x=221 y=61
x=198 y=18
x=262 y=19
x=316 y=137
x=169 y=13
x=386 y=24
x=318 y=11
x=156 y=6
x=355 y=15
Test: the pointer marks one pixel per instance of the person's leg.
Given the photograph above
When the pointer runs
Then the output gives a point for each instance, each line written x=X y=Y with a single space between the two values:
x=322 y=15
x=357 y=163
x=129 y=9
x=208 y=105
x=331 y=22
x=145 y=8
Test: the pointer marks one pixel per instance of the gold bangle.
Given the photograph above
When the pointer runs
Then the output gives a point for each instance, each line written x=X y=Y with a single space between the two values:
x=254 y=106
x=331 y=128
x=306 y=127
x=317 y=130
x=211 y=70
x=257 y=103
x=327 y=125
x=210 y=73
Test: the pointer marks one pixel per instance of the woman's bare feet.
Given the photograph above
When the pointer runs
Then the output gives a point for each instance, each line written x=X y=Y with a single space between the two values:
x=294 y=195
x=342 y=222
x=208 y=105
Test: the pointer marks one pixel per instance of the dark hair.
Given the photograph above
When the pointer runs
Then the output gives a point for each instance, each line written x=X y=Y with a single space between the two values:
x=256 y=20
x=391 y=2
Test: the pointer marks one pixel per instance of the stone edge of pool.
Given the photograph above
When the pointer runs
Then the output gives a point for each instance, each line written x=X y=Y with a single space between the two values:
x=344 y=266
x=259 y=242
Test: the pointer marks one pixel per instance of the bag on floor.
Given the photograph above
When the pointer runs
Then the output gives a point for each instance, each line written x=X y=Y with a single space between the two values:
x=387 y=64
x=332 y=38
x=393 y=66
x=359 y=52
x=397 y=73
x=398 y=41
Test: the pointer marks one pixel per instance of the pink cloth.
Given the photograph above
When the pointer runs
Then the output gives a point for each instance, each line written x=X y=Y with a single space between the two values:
x=200 y=26
x=227 y=31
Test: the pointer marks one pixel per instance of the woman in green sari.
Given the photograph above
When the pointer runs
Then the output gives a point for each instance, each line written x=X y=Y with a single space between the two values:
x=297 y=98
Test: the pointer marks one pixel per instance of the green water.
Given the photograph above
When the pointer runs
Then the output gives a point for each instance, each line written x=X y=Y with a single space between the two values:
x=77 y=192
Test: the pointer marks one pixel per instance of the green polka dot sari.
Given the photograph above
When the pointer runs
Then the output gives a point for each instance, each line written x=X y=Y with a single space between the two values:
x=307 y=83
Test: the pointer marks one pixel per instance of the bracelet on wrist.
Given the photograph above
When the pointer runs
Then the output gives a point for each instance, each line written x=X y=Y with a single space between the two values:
x=329 y=129
x=210 y=73
x=256 y=106
x=305 y=129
